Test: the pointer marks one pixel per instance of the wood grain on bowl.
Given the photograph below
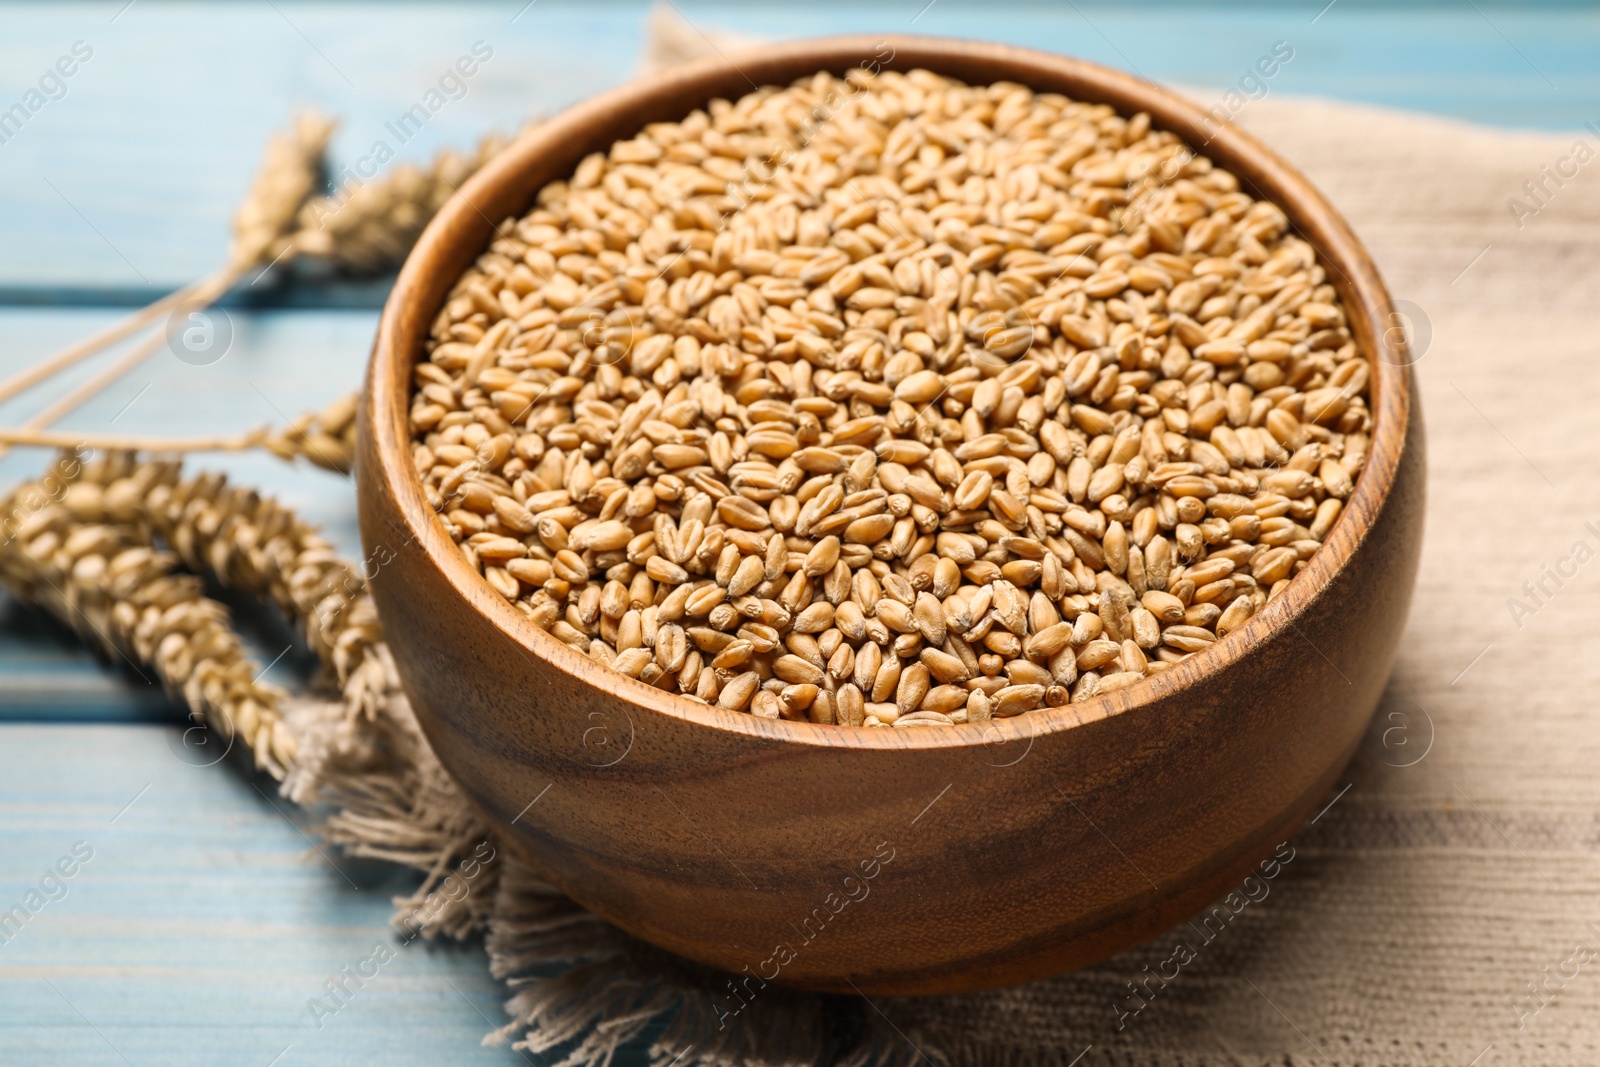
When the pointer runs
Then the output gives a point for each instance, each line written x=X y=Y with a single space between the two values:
x=889 y=861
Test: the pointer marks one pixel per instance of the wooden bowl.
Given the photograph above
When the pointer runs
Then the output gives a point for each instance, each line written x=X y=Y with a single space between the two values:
x=890 y=861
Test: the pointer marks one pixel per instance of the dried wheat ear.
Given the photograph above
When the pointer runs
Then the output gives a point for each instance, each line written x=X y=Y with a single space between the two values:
x=368 y=228
x=959 y=402
x=103 y=544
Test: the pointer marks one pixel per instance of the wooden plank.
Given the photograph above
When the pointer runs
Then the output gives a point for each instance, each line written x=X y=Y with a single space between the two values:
x=177 y=101
x=203 y=923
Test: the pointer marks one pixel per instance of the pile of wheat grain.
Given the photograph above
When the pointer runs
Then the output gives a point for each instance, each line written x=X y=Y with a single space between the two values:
x=888 y=400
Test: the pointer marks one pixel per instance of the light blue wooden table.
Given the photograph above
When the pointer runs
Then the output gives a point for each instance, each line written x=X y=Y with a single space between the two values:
x=206 y=918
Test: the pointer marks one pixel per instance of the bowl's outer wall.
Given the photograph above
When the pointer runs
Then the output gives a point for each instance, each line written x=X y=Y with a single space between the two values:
x=872 y=860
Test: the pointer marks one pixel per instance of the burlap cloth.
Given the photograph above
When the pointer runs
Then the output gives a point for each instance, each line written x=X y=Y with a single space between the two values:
x=1439 y=913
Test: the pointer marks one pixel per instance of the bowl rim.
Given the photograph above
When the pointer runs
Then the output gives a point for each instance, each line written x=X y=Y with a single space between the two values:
x=459 y=222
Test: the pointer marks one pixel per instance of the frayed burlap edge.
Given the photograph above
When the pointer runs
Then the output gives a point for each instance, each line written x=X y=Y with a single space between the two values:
x=581 y=988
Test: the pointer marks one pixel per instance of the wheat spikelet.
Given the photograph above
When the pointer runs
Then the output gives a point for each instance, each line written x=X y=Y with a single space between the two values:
x=253 y=544
x=101 y=544
x=366 y=228
x=79 y=547
x=289 y=173
x=116 y=548
x=325 y=439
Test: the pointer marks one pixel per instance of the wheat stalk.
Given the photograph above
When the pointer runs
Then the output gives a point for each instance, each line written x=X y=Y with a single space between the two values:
x=288 y=173
x=99 y=442
x=324 y=439
x=49 y=367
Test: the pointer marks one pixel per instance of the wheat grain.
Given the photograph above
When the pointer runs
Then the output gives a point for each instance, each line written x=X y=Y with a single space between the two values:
x=891 y=401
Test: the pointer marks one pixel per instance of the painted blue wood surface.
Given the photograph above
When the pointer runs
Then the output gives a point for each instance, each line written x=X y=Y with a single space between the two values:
x=205 y=922
x=128 y=180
